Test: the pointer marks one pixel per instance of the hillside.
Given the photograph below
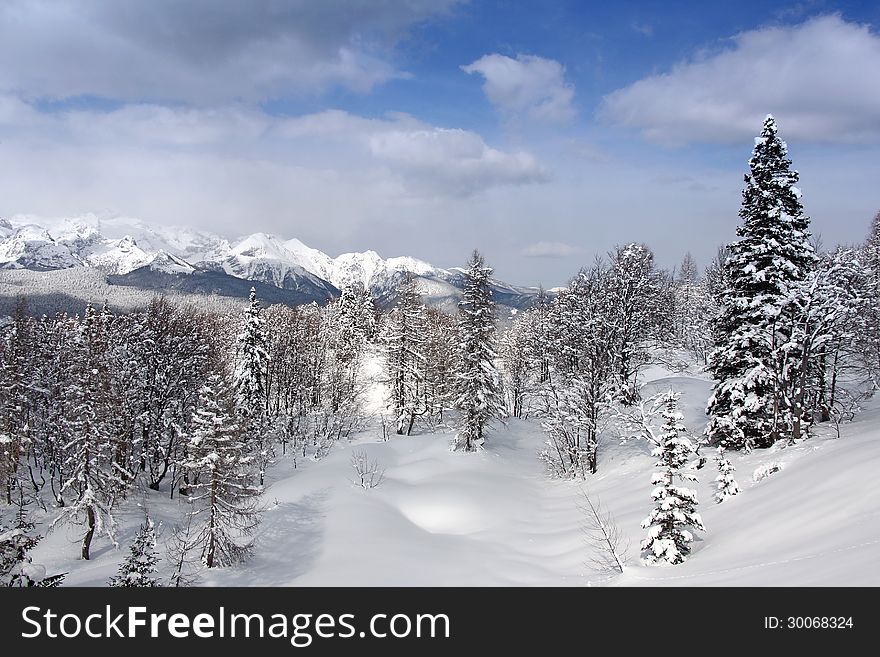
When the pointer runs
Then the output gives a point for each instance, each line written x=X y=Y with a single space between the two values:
x=494 y=518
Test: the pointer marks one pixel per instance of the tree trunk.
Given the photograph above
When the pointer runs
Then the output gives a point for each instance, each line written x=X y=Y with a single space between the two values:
x=209 y=549
x=87 y=539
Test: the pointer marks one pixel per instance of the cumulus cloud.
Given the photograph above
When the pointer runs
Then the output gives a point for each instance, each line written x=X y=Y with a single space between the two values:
x=820 y=78
x=202 y=51
x=551 y=250
x=528 y=85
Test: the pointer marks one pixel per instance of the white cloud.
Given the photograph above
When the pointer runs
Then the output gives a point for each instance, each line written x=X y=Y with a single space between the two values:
x=821 y=79
x=551 y=250
x=182 y=164
x=202 y=51
x=528 y=85
x=453 y=160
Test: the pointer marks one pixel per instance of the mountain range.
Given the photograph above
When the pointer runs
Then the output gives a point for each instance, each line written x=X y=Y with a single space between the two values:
x=130 y=252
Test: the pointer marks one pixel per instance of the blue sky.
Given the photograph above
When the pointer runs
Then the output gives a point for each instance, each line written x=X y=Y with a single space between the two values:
x=542 y=133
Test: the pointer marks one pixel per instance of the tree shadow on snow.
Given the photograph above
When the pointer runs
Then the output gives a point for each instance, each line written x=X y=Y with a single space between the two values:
x=289 y=541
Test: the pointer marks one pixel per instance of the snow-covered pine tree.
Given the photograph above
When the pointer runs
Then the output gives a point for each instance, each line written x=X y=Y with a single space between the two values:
x=139 y=567
x=251 y=362
x=749 y=404
x=670 y=523
x=725 y=484
x=404 y=342
x=249 y=383
x=221 y=489
x=477 y=385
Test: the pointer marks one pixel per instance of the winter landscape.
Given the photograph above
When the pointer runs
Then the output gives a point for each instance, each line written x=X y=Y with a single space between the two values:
x=218 y=402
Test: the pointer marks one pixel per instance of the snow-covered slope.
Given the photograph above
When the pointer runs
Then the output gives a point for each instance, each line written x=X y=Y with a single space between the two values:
x=30 y=246
x=495 y=518
x=265 y=258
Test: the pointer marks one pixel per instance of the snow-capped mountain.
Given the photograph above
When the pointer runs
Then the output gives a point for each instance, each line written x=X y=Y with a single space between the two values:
x=29 y=246
x=135 y=253
x=264 y=258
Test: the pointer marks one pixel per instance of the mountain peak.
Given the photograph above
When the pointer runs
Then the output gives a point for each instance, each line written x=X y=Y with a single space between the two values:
x=121 y=246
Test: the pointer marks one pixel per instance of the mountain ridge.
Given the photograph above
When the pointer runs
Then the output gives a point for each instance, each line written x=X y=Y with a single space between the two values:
x=132 y=252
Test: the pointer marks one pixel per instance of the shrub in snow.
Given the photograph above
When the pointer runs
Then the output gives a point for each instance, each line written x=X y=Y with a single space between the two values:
x=368 y=473
x=765 y=470
x=16 y=566
x=725 y=484
x=139 y=567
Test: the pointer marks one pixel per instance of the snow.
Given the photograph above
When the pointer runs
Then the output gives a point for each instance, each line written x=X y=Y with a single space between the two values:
x=495 y=518
x=119 y=245
x=32 y=247
x=118 y=256
x=170 y=264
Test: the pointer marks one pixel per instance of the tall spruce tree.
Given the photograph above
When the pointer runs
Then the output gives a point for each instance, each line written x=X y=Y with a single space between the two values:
x=749 y=404
x=477 y=382
x=250 y=383
x=251 y=363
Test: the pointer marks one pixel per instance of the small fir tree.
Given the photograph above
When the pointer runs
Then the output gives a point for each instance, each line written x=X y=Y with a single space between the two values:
x=725 y=484
x=139 y=567
x=670 y=523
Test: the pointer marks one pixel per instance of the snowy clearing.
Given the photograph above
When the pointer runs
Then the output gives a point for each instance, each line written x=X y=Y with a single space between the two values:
x=494 y=518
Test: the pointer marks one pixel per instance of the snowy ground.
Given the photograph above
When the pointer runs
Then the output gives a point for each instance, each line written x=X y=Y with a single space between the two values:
x=494 y=518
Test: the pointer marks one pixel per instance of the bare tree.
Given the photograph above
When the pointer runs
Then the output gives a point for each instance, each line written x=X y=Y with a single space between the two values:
x=368 y=474
x=609 y=545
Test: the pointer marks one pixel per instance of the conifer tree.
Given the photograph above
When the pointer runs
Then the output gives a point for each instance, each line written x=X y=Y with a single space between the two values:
x=250 y=383
x=139 y=567
x=477 y=383
x=670 y=523
x=221 y=489
x=251 y=362
x=725 y=484
x=749 y=406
